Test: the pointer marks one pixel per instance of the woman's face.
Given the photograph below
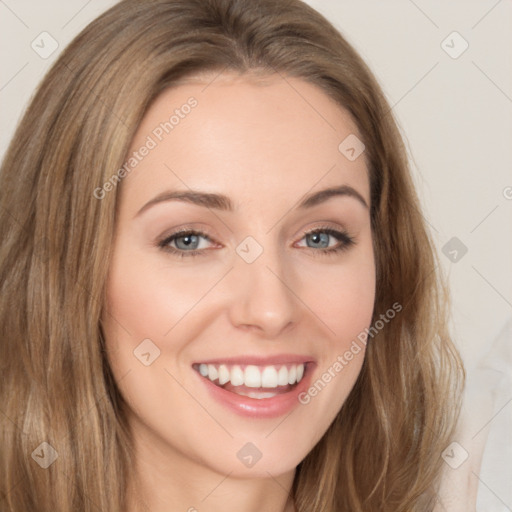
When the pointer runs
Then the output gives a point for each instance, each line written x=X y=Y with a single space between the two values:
x=234 y=275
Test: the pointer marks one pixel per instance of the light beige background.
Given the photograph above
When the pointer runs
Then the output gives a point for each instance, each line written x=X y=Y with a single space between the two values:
x=456 y=116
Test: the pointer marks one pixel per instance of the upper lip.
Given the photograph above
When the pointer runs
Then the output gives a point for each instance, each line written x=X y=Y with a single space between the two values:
x=259 y=360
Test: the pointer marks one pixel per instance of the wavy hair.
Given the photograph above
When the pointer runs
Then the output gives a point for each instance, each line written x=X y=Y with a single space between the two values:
x=383 y=450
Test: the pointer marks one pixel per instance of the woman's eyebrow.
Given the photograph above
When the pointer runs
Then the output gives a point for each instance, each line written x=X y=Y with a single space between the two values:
x=206 y=199
x=323 y=195
x=224 y=203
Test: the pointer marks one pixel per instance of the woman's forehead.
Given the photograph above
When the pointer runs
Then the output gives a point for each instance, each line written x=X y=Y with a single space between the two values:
x=249 y=140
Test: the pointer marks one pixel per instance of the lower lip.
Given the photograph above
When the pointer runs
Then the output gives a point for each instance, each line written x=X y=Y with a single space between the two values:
x=273 y=407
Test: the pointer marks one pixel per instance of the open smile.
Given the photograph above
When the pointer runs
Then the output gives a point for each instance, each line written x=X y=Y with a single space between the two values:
x=258 y=390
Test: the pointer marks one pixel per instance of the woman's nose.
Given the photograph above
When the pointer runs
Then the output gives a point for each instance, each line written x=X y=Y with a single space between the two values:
x=262 y=296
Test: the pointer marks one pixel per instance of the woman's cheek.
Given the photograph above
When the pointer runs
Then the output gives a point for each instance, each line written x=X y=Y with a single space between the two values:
x=342 y=296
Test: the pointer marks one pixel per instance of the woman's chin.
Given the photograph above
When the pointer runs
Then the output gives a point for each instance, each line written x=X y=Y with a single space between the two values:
x=270 y=468
x=254 y=459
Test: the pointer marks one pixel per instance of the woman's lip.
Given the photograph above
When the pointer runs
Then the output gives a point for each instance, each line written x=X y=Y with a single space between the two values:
x=259 y=360
x=274 y=407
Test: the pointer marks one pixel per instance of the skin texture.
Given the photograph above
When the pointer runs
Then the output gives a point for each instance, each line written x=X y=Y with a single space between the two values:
x=265 y=145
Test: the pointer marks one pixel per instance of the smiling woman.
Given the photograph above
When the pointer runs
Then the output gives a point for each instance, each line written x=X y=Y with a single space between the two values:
x=229 y=306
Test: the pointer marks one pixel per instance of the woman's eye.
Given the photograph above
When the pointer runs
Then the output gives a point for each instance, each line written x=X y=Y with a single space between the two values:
x=194 y=243
x=327 y=240
x=186 y=243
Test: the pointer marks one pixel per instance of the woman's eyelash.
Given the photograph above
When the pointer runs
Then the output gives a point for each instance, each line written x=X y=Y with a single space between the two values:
x=164 y=244
x=345 y=241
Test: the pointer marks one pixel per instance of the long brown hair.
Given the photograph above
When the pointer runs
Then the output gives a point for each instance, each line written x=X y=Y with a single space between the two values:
x=383 y=451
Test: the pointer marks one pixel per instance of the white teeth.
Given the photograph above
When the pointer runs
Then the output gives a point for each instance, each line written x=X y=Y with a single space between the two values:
x=223 y=374
x=292 y=375
x=269 y=377
x=237 y=376
x=213 y=374
x=300 y=372
x=253 y=376
x=282 y=376
x=256 y=394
